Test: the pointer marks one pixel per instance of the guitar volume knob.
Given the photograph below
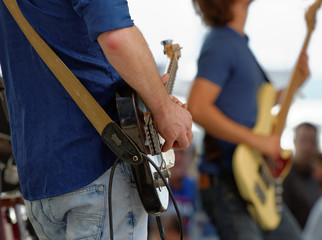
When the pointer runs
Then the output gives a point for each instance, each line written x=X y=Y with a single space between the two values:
x=158 y=181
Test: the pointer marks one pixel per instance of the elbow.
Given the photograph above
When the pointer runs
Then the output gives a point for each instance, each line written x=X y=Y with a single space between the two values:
x=110 y=41
x=114 y=41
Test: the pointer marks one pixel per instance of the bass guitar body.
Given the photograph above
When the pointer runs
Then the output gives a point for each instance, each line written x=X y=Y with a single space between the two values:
x=259 y=178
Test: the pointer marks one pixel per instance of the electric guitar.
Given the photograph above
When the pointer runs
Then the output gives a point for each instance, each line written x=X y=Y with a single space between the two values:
x=137 y=123
x=259 y=178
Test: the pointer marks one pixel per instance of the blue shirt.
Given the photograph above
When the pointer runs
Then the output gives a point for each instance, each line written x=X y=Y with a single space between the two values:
x=57 y=150
x=227 y=61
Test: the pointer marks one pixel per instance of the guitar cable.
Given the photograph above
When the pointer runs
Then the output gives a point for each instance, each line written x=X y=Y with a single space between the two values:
x=158 y=216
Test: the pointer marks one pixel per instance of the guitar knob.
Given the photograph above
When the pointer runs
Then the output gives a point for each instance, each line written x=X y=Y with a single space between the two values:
x=278 y=200
x=166 y=42
x=158 y=182
x=166 y=173
x=278 y=181
x=279 y=190
x=279 y=208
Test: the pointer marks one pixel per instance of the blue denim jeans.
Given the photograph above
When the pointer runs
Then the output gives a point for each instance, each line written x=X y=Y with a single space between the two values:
x=227 y=212
x=83 y=214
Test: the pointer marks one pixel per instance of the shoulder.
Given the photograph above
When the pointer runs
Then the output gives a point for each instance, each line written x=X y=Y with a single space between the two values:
x=218 y=40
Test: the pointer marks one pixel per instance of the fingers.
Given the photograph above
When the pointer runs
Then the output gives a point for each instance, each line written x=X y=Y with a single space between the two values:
x=185 y=106
x=181 y=143
x=303 y=68
x=177 y=101
x=175 y=125
x=167 y=145
x=165 y=78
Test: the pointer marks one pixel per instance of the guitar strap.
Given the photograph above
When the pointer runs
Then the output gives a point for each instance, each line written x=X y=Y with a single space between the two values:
x=111 y=133
x=261 y=69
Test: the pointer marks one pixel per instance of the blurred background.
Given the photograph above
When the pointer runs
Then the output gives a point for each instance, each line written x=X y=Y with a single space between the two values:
x=276 y=29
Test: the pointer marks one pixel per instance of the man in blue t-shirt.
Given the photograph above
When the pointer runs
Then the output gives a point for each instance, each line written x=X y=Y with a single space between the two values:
x=63 y=165
x=223 y=100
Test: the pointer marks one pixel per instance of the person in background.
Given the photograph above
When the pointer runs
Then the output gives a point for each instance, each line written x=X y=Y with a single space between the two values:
x=301 y=190
x=63 y=164
x=312 y=229
x=10 y=182
x=184 y=184
x=5 y=147
x=223 y=100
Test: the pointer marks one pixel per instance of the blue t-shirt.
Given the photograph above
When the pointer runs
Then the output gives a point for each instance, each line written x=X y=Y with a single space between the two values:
x=227 y=61
x=57 y=150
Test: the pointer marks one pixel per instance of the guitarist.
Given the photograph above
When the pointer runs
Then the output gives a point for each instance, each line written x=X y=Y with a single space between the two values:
x=223 y=101
x=63 y=165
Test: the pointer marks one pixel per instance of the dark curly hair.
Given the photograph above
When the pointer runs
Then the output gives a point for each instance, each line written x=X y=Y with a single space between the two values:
x=214 y=12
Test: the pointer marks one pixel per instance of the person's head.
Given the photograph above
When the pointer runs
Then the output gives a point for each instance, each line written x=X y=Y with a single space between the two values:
x=218 y=13
x=317 y=169
x=306 y=143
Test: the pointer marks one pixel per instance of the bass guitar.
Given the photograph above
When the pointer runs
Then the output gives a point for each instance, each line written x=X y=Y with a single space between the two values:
x=137 y=123
x=259 y=178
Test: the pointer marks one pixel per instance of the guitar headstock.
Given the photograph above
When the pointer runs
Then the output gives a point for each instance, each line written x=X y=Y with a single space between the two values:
x=171 y=49
x=310 y=15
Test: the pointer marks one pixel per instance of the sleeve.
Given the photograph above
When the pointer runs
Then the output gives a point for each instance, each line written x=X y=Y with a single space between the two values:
x=215 y=62
x=103 y=15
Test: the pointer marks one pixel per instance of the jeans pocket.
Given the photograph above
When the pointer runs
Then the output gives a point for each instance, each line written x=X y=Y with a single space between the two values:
x=82 y=210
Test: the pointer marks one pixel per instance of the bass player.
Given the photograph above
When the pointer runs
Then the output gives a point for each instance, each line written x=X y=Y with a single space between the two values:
x=223 y=101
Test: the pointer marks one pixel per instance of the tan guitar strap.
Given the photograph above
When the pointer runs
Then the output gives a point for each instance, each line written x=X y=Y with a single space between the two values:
x=110 y=132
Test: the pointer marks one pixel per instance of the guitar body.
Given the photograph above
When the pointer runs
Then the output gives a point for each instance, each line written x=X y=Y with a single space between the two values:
x=132 y=118
x=136 y=121
x=258 y=178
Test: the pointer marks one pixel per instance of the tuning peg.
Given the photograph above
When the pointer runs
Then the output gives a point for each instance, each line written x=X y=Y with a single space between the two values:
x=166 y=42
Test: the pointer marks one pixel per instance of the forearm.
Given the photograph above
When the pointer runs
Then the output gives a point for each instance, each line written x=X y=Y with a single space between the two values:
x=218 y=125
x=201 y=105
x=129 y=54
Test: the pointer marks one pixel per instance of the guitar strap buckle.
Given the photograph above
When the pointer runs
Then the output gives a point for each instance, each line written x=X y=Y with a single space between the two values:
x=121 y=144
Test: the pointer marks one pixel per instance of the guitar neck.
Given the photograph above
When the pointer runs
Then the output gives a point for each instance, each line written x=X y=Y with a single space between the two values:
x=296 y=78
x=290 y=92
x=172 y=71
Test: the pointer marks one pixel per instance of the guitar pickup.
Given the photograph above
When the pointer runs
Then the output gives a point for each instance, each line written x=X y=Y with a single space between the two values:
x=260 y=193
